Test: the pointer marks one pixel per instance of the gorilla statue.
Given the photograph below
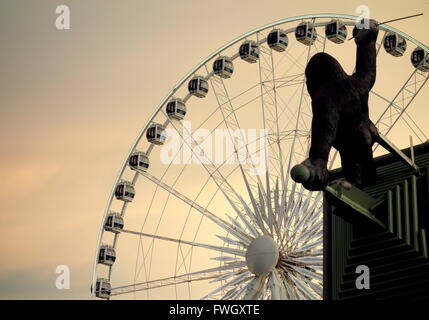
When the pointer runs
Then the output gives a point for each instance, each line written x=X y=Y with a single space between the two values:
x=340 y=113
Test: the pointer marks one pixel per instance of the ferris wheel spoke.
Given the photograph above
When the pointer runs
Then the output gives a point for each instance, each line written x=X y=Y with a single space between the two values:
x=291 y=46
x=230 y=293
x=230 y=119
x=245 y=276
x=288 y=80
x=285 y=108
x=270 y=219
x=303 y=86
x=240 y=293
x=276 y=199
x=270 y=110
x=231 y=241
x=256 y=211
x=308 y=235
x=238 y=252
x=236 y=224
x=308 y=273
x=291 y=294
x=289 y=204
x=202 y=275
x=312 y=213
x=282 y=209
x=298 y=113
x=276 y=286
x=305 y=211
x=309 y=260
x=303 y=288
x=297 y=207
x=270 y=116
x=296 y=61
x=227 y=190
x=255 y=287
x=247 y=210
x=261 y=203
x=316 y=288
x=213 y=217
x=314 y=243
x=307 y=231
x=227 y=275
x=258 y=219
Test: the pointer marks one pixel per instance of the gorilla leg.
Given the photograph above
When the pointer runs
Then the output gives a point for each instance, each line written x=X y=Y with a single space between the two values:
x=368 y=170
x=351 y=167
x=357 y=159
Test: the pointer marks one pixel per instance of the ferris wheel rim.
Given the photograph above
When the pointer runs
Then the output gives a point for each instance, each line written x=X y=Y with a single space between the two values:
x=191 y=73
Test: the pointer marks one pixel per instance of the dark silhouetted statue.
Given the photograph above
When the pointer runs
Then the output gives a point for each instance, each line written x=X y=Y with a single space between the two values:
x=340 y=113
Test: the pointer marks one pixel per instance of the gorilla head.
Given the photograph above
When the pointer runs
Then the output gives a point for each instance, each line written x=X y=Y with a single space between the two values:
x=321 y=69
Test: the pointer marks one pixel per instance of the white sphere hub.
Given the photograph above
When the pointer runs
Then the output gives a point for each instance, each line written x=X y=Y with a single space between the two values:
x=262 y=255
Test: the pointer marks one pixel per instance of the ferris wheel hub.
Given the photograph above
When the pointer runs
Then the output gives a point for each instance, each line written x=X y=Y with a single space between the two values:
x=262 y=255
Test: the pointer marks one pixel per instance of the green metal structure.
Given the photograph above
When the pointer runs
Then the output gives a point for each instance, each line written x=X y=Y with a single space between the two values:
x=383 y=227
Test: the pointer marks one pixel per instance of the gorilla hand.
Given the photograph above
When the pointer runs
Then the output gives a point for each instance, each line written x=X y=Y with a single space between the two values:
x=319 y=174
x=367 y=33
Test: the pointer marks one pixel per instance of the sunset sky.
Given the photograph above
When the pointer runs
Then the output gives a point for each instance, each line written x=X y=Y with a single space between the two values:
x=73 y=101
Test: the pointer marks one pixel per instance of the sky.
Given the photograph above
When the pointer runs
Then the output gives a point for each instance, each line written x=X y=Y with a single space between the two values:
x=73 y=101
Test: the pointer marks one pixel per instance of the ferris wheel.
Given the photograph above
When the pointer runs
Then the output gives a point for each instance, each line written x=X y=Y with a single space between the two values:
x=204 y=206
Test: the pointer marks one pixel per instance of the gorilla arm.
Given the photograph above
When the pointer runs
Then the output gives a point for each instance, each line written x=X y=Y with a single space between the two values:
x=366 y=58
x=324 y=129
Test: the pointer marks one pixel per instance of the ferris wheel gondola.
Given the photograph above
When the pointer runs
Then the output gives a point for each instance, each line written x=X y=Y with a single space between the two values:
x=277 y=40
x=306 y=33
x=395 y=44
x=336 y=31
x=223 y=67
x=249 y=51
x=114 y=222
x=420 y=59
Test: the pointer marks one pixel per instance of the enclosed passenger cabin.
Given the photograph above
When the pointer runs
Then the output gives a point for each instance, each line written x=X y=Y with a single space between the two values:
x=125 y=191
x=420 y=59
x=114 y=222
x=156 y=134
x=306 y=33
x=176 y=109
x=249 y=51
x=198 y=86
x=139 y=161
x=107 y=255
x=277 y=40
x=395 y=44
x=102 y=288
x=223 y=67
x=336 y=31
